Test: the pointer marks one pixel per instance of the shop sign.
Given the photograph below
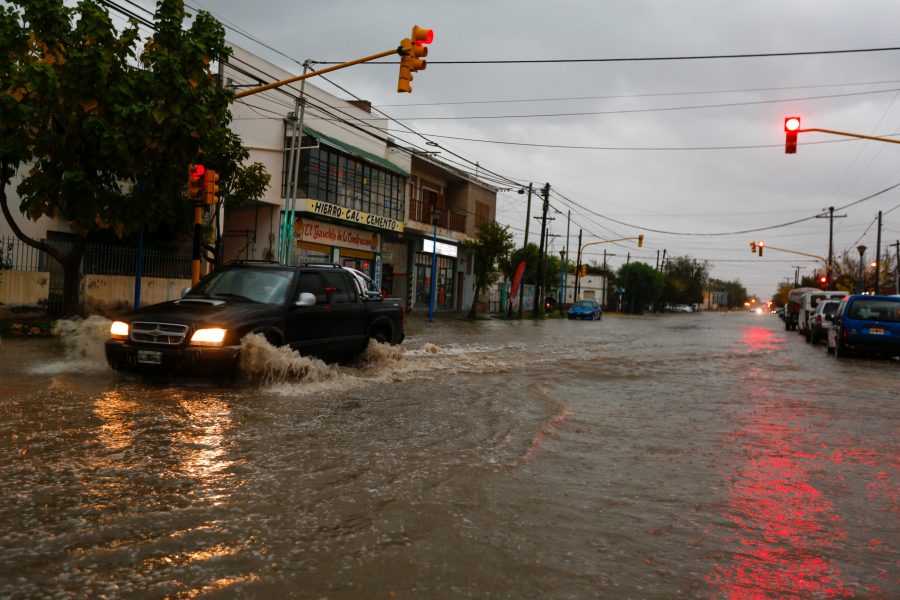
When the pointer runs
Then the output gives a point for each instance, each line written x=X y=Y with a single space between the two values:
x=442 y=248
x=326 y=209
x=336 y=235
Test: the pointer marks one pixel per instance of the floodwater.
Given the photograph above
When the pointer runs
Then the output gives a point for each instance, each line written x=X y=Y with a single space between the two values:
x=692 y=456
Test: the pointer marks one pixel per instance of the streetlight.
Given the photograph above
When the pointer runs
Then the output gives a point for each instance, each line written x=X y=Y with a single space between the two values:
x=862 y=250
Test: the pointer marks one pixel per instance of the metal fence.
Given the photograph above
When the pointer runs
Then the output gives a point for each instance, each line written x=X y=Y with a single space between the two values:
x=16 y=255
x=99 y=259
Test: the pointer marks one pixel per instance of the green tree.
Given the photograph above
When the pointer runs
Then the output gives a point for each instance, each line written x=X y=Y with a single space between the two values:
x=685 y=280
x=107 y=129
x=492 y=245
x=643 y=286
x=735 y=291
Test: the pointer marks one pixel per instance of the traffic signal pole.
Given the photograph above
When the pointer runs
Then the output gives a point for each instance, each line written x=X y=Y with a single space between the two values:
x=282 y=82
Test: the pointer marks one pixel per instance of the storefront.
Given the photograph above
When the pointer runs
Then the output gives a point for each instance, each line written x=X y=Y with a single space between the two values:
x=320 y=241
x=445 y=293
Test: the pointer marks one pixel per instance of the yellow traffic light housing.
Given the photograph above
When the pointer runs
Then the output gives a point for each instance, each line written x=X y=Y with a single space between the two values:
x=641 y=240
x=412 y=53
x=211 y=187
x=195 y=187
x=753 y=247
x=583 y=270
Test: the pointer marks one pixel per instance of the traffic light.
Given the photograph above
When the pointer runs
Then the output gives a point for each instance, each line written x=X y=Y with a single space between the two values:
x=823 y=280
x=583 y=270
x=791 y=126
x=412 y=53
x=641 y=240
x=753 y=247
x=759 y=247
x=211 y=187
x=195 y=189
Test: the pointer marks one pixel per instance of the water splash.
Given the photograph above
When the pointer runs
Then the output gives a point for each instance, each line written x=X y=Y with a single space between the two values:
x=270 y=364
x=82 y=340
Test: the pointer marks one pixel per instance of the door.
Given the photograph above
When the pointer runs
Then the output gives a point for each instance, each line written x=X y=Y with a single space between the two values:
x=348 y=332
x=308 y=328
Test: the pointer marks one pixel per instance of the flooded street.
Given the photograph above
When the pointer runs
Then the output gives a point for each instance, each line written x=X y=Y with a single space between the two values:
x=698 y=456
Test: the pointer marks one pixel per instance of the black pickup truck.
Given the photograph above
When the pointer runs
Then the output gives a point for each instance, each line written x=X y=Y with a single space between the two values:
x=322 y=310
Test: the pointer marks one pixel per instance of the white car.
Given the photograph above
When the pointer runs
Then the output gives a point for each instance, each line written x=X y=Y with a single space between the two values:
x=682 y=308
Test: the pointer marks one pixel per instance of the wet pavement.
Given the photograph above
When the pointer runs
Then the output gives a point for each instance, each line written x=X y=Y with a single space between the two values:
x=698 y=456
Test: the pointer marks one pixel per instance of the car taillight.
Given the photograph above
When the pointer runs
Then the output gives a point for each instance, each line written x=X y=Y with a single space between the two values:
x=818 y=319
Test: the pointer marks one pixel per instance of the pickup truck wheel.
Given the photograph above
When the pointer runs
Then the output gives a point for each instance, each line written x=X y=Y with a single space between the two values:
x=381 y=336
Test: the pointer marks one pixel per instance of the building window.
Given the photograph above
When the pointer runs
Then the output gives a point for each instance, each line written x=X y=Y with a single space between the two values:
x=337 y=177
x=444 y=284
x=482 y=214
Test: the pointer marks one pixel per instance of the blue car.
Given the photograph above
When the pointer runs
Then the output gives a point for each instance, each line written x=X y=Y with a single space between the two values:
x=586 y=309
x=865 y=323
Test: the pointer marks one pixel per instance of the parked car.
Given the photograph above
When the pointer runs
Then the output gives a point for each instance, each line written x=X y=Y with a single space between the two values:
x=808 y=303
x=792 y=310
x=682 y=308
x=821 y=321
x=586 y=309
x=314 y=309
x=864 y=323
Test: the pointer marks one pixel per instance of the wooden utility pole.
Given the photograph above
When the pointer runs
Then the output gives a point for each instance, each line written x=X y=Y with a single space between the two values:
x=524 y=246
x=878 y=258
x=538 y=296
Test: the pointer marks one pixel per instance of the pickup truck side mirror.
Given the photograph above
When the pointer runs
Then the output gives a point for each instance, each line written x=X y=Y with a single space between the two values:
x=185 y=291
x=306 y=299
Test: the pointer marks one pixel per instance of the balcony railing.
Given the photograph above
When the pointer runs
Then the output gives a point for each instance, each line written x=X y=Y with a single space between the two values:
x=421 y=212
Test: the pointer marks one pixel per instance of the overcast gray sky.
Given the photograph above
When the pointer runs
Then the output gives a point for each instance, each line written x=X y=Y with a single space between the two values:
x=691 y=191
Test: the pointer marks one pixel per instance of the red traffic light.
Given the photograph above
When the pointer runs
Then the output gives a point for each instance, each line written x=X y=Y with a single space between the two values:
x=196 y=171
x=421 y=36
x=791 y=123
x=823 y=279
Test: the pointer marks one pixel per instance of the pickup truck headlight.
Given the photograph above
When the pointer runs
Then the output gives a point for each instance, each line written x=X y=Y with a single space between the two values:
x=118 y=330
x=208 y=337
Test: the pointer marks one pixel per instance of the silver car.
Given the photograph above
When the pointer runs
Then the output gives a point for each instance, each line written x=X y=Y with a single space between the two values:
x=820 y=321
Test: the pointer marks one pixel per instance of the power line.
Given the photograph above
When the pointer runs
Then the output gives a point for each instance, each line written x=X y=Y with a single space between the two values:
x=648 y=110
x=636 y=59
x=744 y=231
x=644 y=95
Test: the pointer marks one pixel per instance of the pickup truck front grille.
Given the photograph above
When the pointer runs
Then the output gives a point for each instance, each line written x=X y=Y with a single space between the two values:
x=164 y=334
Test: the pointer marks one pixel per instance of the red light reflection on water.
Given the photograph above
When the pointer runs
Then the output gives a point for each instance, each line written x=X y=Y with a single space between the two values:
x=785 y=528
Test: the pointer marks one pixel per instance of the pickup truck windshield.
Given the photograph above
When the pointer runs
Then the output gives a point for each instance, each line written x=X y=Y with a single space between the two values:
x=267 y=286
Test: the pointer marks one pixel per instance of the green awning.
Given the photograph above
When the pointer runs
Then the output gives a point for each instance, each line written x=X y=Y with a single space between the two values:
x=358 y=152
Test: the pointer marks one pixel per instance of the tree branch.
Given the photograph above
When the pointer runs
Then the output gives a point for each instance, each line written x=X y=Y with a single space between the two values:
x=43 y=246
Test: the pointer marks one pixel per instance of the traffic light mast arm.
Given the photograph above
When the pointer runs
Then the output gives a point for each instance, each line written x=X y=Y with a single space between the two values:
x=822 y=258
x=856 y=135
x=276 y=84
x=581 y=248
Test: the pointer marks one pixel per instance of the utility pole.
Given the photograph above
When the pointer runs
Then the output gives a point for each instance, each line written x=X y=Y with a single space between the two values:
x=565 y=264
x=577 y=268
x=878 y=258
x=525 y=245
x=657 y=260
x=538 y=299
x=796 y=275
x=663 y=263
x=605 y=279
x=897 y=274
x=830 y=266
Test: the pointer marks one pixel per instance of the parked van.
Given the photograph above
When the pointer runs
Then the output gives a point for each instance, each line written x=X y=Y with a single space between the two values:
x=808 y=303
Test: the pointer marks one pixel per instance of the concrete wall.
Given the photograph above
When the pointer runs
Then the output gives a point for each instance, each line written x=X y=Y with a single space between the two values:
x=103 y=291
x=24 y=287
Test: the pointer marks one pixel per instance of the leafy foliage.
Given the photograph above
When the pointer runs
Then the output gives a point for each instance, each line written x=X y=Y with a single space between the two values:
x=643 y=285
x=490 y=246
x=108 y=129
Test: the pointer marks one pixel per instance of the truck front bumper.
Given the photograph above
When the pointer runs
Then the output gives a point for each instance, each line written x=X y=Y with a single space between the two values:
x=189 y=360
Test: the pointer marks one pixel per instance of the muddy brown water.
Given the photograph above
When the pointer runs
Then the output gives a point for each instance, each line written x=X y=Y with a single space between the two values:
x=698 y=455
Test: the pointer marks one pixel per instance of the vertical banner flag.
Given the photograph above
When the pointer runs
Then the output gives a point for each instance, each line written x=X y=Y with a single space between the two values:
x=517 y=280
